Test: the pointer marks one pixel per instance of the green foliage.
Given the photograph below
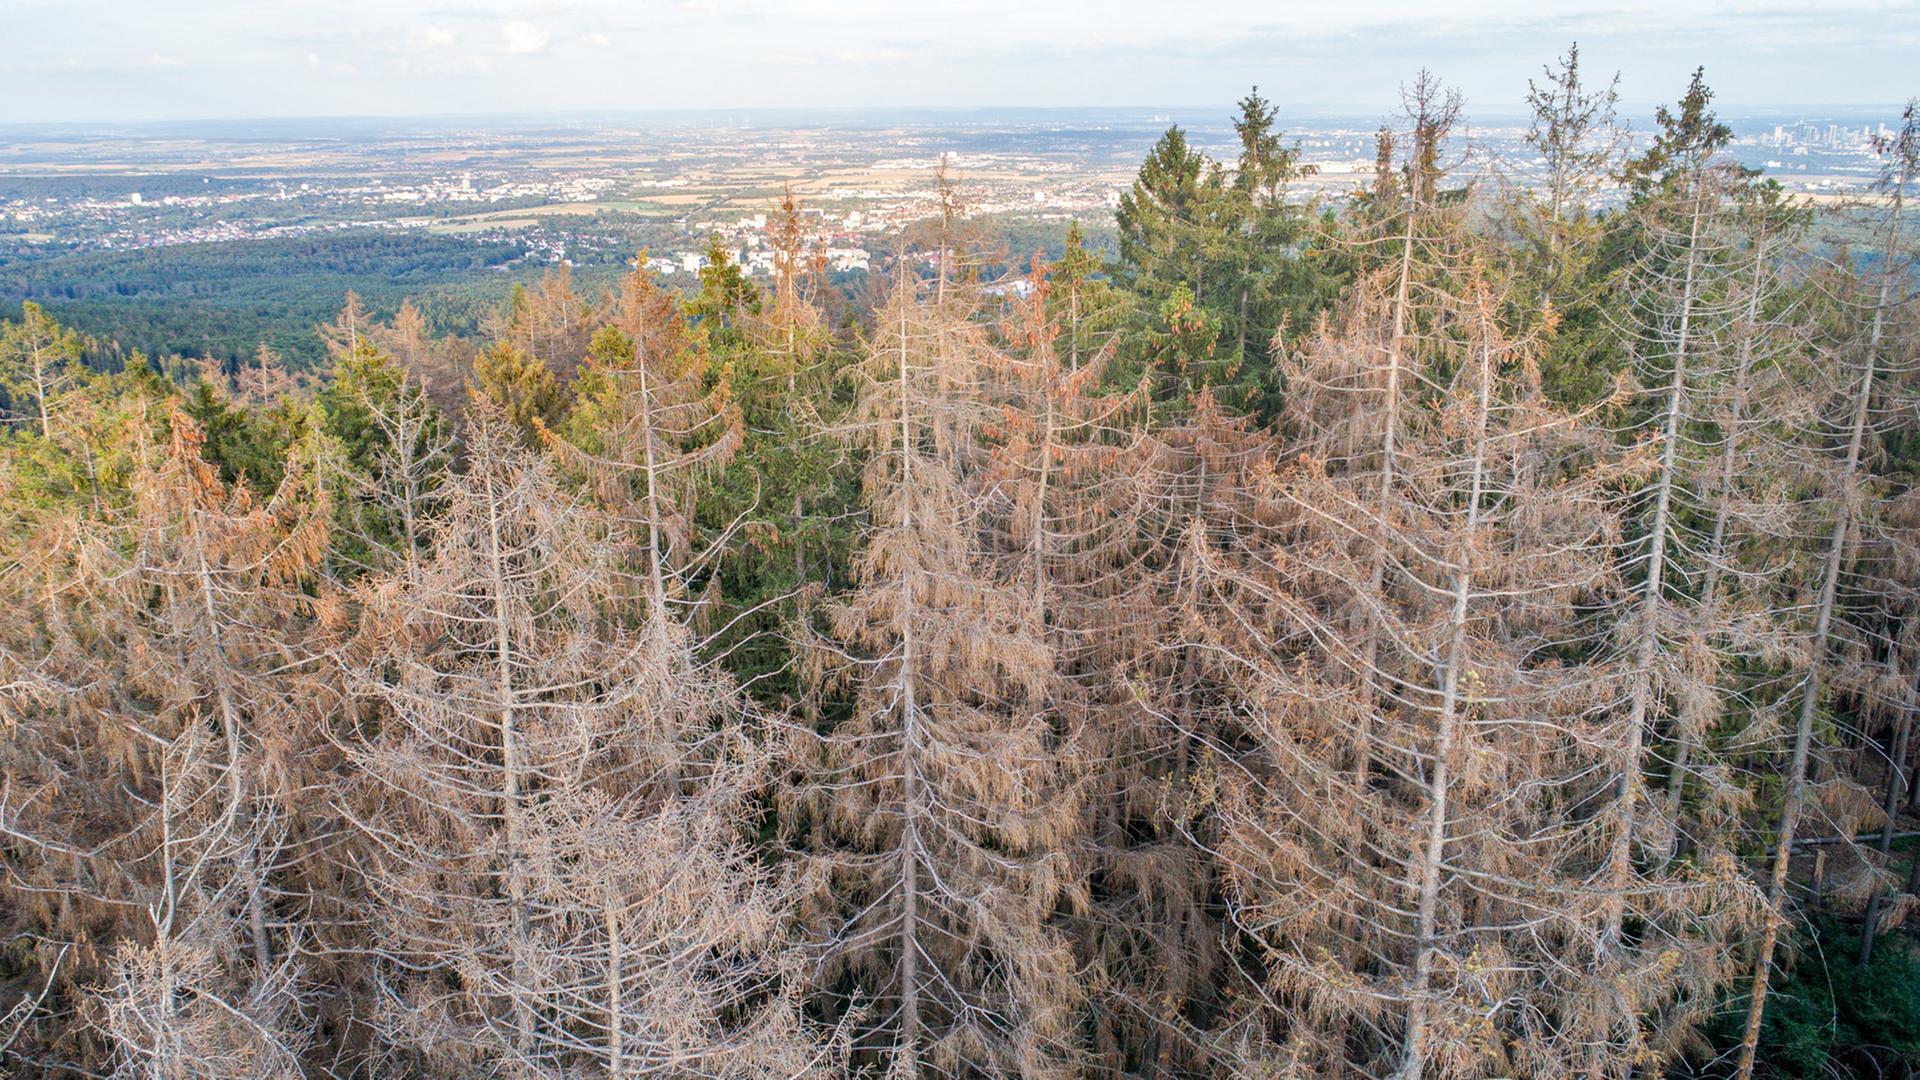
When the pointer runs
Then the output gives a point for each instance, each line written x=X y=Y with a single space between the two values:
x=1684 y=142
x=789 y=494
x=1831 y=1017
x=1161 y=218
x=1081 y=301
x=726 y=297
x=38 y=358
x=361 y=381
x=391 y=439
x=87 y=464
x=1181 y=346
x=523 y=387
x=223 y=299
x=1231 y=255
x=1559 y=256
x=249 y=444
x=592 y=389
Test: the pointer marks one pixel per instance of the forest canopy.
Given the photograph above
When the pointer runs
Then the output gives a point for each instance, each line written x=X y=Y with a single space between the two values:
x=1458 y=629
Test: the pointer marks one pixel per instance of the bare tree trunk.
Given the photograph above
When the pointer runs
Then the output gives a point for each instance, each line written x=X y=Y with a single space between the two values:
x=1653 y=596
x=1895 y=775
x=1039 y=552
x=1073 y=327
x=236 y=815
x=907 y=1051
x=1413 y=1045
x=409 y=506
x=511 y=810
x=1557 y=191
x=165 y=1052
x=40 y=379
x=1896 y=785
x=616 y=1036
x=1803 y=734
x=656 y=580
x=1363 y=741
x=1716 y=553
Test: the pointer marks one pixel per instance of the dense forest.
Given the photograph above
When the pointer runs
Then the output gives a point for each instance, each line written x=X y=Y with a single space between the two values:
x=224 y=300
x=1458 y=629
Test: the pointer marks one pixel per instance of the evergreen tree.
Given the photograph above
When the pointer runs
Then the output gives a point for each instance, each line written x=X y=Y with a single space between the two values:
x=520 y=386
x=39 y=362
x=1560 y=233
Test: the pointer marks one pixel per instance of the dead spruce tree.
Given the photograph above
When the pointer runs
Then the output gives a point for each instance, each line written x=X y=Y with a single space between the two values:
x=790 y=332
x=942 y=819
x=55 y=496
x=646 y=429
x=1416 y=911
x=149 y=804
x=1416 y=245
x=1730 y=486
x=553 y=809
x=1078 y=524
x=1698 y=295
x=549 y=325
x=1887 y=566
x=1844 y=442
x=439 y=365
x=1351 y=393
x=1154 y=936
x=1065 y=471
x=402 y=446
x=1165 y=760
x=1681 y=310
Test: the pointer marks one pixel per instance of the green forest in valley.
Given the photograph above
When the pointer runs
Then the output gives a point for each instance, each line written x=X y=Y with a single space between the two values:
x=224 y=300
x=1456 y=629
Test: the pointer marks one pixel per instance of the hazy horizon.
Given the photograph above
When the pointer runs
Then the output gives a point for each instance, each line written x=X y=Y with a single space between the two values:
x=117 y=62
x=775 y=118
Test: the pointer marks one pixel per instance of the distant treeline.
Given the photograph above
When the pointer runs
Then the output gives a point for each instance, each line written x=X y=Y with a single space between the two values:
x=224 y=300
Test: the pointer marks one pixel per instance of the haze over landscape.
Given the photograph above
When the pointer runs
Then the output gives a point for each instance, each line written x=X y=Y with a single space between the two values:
x=114 y=61
x=728 y=539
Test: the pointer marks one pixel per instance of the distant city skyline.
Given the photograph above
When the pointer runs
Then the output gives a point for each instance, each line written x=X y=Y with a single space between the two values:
x=126 y=60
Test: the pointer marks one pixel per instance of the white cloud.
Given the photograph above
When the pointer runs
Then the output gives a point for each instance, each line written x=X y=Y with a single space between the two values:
x=598 y=40
x=719 y=9
x=430 y=37
x=157 y=60
x=875 y=56
x=313 y=59
x=524 y=37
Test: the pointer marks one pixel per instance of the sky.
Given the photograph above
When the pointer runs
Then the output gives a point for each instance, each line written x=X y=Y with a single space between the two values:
x=128 y=60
